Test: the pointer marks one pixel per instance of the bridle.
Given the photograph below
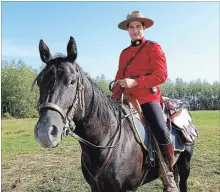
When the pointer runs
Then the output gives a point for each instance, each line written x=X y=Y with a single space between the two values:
x=67 y=118
x=69 y=127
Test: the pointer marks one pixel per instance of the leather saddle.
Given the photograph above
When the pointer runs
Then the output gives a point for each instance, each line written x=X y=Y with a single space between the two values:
x=174 y=114
x=134 y=105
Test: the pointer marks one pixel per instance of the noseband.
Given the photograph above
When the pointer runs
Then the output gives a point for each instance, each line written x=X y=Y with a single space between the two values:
x=53 y=106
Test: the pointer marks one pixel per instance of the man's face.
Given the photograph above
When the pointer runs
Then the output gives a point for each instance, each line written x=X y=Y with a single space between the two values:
x=135 y=30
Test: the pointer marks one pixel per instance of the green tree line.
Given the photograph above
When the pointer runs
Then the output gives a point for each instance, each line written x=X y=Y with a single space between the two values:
x=20 y=101
x=17 y=98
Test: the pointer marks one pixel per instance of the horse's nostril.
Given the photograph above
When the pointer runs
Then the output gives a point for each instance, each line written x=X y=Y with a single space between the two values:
x=54 y=131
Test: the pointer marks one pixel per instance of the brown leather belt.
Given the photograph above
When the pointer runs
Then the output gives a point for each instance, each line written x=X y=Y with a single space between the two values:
x=152 y=89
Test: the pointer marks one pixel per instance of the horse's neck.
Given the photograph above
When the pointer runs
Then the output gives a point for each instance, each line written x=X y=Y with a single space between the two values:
x=100 y=122
x=99 y=129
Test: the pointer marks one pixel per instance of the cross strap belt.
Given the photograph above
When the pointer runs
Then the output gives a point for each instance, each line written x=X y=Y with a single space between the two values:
x=152 y=89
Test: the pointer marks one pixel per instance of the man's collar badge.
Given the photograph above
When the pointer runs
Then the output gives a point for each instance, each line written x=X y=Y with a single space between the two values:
x=138 y=42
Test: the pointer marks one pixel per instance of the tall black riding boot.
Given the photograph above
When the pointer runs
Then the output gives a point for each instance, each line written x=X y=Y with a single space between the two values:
x=168 y=179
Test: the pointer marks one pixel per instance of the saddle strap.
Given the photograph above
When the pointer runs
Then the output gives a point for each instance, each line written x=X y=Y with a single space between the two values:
x=133 y=56
x=132 y=102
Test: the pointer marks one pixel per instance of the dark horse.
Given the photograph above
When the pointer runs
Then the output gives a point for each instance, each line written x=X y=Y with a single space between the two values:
x=112 y=160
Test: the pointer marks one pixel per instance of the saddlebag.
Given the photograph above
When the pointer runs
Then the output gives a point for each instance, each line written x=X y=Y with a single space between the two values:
x=182 y=121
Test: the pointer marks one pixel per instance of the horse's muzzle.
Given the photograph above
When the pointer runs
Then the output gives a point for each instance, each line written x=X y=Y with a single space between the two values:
x=48 y=130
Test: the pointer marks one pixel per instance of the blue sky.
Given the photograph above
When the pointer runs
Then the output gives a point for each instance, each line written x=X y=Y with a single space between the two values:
x=187 y=31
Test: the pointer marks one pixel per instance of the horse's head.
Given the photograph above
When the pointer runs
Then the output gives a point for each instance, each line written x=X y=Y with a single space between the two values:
x=60 y=85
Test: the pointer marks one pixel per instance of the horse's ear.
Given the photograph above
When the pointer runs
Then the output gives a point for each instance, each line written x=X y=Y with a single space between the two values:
x=71 y=50
x=44 y=51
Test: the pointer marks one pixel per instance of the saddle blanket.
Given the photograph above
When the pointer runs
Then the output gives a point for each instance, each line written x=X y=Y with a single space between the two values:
x=144 y=133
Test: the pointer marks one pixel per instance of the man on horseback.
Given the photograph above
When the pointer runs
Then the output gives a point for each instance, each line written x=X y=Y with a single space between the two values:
x=141 y=79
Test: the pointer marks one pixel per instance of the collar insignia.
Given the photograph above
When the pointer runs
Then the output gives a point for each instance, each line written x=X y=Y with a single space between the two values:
x=136 y=43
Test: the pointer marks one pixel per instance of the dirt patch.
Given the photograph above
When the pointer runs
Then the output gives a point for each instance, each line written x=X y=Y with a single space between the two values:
x=14 y=132
x=46 y=167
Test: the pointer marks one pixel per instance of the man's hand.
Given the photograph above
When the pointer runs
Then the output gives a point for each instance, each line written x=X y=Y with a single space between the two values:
x=127 y=83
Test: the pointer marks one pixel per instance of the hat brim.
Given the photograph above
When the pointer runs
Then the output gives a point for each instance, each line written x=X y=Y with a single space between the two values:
x=124 y=24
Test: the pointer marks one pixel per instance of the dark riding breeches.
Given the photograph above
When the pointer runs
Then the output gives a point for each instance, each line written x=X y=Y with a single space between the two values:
x=154 y=115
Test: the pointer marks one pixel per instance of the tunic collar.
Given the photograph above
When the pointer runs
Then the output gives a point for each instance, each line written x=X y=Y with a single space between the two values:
x=138 y=42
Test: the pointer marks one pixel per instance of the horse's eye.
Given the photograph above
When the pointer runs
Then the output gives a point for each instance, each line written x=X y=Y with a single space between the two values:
x=72 y=81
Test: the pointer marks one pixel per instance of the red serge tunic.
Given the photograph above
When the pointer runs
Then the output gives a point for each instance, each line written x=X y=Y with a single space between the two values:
x=150 y=60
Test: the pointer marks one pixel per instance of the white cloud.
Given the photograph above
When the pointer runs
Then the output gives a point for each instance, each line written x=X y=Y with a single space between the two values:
x=13 y=49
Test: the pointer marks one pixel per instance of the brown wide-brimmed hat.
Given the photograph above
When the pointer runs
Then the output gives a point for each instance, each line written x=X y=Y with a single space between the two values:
x=135 y=16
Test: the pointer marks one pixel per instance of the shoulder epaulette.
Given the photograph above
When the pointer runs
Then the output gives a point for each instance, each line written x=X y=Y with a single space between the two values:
x=125 y=48
x=152 y=42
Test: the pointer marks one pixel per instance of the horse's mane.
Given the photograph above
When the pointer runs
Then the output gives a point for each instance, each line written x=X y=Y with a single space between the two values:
x=105 y=101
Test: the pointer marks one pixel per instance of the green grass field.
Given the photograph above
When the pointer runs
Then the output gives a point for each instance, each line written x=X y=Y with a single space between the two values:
x=27 y=167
